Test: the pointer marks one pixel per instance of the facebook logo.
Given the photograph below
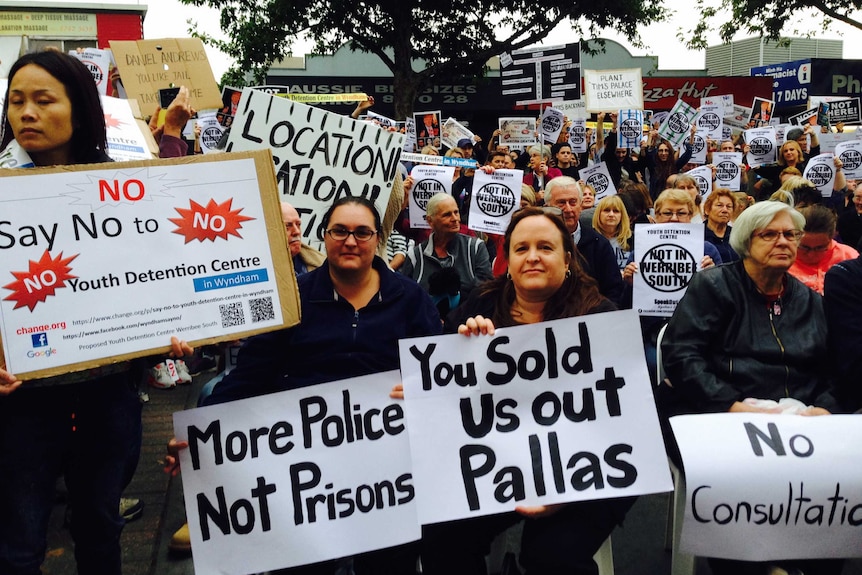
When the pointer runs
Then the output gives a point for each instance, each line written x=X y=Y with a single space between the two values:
x=39 y=339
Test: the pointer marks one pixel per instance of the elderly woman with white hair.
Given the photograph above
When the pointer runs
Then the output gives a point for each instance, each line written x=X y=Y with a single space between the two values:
x=747 y=332
x=540 y=171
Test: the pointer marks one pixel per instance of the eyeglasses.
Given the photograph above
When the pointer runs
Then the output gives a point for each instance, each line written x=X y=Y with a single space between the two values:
x=669 y=214
x=341 y=234
x=772 y=235
x=552 y=210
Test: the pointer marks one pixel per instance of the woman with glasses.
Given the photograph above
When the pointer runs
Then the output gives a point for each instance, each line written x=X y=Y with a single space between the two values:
x=817 y=250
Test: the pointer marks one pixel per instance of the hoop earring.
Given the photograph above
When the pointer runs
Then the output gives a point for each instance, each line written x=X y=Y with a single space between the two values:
x=508 y=276
x=568 y=273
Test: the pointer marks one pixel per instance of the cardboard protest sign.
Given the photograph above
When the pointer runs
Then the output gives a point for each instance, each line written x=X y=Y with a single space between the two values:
x=428 y=129
x=210 y=260
x=149 y=65
x=762 y=147
x=728 y=171
x=517 y=133
x=703 y=176
x=495 y=198
x=599 y=178
x=536 y=414
x=552 y=124
x=850 y=153
x=98 y=62
x=126 y=142
x=297 y=477
x=676 y=126
x=454 y=131
x=763 y=487
x=319 y=156
x=578 y=135
x=821 y=171
x=667 y=255
x=630 y=129
x=709 y=120
x=427 y=182
x=606 y=90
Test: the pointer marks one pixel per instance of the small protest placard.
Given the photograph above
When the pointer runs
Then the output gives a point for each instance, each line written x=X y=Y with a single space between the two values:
x=850 y=153
x=765 y=487
x=536 y=414
x=552 y=124
x=845 y=111
x=454 y=131
x=761 y=112
x=599 y=178
x=728 y=171
x=699 y=147
x=517 y=133
x=722 y=104
x=98 y=62
x=126 y=142
x=211 y=131
x=676 y=126
x=762 y=147
x=428 y=129
x=578 y=135
x=703 y=176
x=738 y=118
x=709 y=120
x=606 y=90
x=297 y=477
x=821 y=171
x=572 y=108
x=427 y=181
x=667 y=255
x=495 y=198
x=630 y=128
x=380 y=120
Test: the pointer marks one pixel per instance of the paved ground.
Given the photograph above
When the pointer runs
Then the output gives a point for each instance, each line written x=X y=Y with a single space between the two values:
x=638 y=546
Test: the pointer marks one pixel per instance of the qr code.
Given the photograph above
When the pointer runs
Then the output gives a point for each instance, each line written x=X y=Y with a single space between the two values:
x=261 y=309
x=232 y=314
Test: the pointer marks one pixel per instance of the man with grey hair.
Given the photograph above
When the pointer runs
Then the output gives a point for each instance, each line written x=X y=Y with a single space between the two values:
x=597 y=254
x=449 y=264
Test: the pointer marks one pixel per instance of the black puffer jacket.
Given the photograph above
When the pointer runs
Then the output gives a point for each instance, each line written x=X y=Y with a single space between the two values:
x=724 y=343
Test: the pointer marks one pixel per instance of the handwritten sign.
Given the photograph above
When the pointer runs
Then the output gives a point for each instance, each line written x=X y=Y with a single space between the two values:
x=297 y=477
x=495 y=198
x=762 y=487
x=667 y=255
x=427 y=182
x=613 y=90
x=210 y=261
x=537 y=414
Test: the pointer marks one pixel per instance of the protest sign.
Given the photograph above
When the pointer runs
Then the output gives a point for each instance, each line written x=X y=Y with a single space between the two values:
x=703 y=176
x=738 y=118
x=517 y=133
x=230 y=98
x=809 y=116
x=780 y=133
x=667 y=255
x=409 y=135
x=676 y=126
x=98 y=62
x=630 y=128
x=428 y=129
x=722 y=104
x=495 y=198
x=764 y=487
x=762 y=147
x=821 y=171
x=572 y=108
x=211 y=131
x=845 y=111
x=430 y=160
x=578 y=135
x=541 y=74
x=126 y=142
x=606 y=90
x=427 y=181
x=149 y=65
x=830 y=140
x=599 y=178
x=380 y=120
x=761 y=112
x=321 y=98
x=454 y=131
x=728 y=173
x=850 y=153
x=552 y=124
x=536 y=414
x=210 y=260
x=709 y=120
x=698 y=147
x=319 y=156
x=297 y=477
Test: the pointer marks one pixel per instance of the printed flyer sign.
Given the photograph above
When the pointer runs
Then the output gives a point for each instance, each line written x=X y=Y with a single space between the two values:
x=613 y=90
x=536 y=414
x=428 y=129
x=517 y=133
x=667 y=255
x=495 y=198
x=631 y=128
x=850 y=153
x=427 y=181
x=709 y=120
x=820 y=170
x=578 y=135
x=185 y=248
x=323 y=473
x=599 y=178
x=453 y=131
x=211 y=131
x=319 y=156
x=762 y=147
x=699 y=147
x=676 y=126
x=763 y=487
x=98 y=62
x=728 y=173
x=552 y=124
x=126 y=142
x=703 y=176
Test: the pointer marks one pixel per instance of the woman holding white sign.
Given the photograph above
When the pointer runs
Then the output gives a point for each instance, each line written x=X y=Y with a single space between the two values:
x=85 y=426
x=545 y=282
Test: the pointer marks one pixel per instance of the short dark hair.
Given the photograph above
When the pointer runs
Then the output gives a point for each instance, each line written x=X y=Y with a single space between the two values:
x=89 y=135
x=356 y=200
x=494 y=154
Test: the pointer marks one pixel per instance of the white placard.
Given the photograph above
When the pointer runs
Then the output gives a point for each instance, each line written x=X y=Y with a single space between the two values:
x=552 y=124
x=453 y=131
x=578 y=135
x=724 y=104
x=495 y=198
x=297 y=477
x=737 y=118
x=211 y=131
x=572 y=108
x=728 y=170
x=762 y=147
x=820 y=170
x=667 y=255
x=606 y=90
x=830 y=140
x=537 y=414
x=319 y=156
x=381 y=120
x=98 y=62
x=599 y=178
x=630 y=128
x=699 y=147
x=764 y=487
x=850 y=153
x=677 y=125
x=703 y=176
x=709 y=120
x=427 y=181
x=125 y=140
x=517 y=133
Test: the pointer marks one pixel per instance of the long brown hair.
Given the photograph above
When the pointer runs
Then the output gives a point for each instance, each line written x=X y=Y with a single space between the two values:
x=578 y=295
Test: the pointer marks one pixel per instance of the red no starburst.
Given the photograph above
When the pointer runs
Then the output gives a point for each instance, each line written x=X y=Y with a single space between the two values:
x=41 y=280
x=112 y=122
x=210 y=222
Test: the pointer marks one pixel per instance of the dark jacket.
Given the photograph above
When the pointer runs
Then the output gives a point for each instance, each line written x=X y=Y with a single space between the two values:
x=469 y=257
x=843 y=304
x=721 y=244
x=334 y=341
x=724 y=344
x=601 y=264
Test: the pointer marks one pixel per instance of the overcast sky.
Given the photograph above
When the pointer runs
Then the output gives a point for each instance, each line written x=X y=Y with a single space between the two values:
x=167 y=19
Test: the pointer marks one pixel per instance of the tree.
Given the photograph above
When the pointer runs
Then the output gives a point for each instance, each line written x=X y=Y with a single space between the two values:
x=454 y=38
x=768 y=17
